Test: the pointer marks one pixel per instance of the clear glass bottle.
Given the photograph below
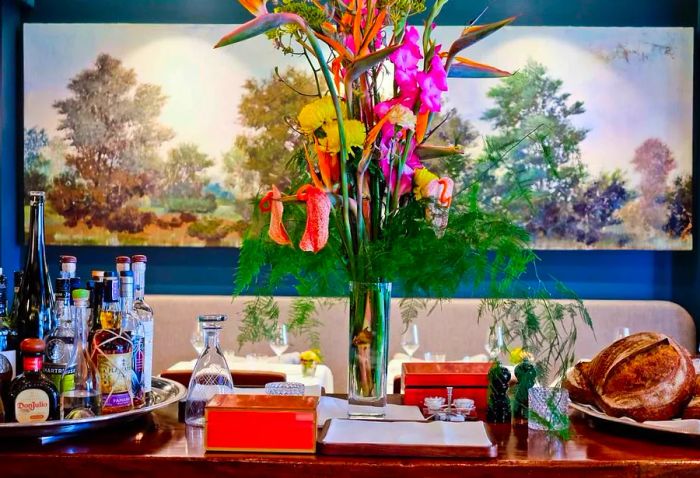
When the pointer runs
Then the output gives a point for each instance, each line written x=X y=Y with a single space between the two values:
x=84 y=399
x=145 y=313
x=35 y=301
x=111 y=352
x=211 y=375
x=133 y=329
x=59 y=343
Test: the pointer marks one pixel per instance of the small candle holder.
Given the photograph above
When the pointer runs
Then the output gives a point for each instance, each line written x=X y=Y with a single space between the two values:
x=459 y=410
x=285 y=388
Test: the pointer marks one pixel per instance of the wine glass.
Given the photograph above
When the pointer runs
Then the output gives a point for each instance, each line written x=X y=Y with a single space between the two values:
x=621 y=333
x=495 y=343
x=409 y=341
x=279 y=343
x=196 y=339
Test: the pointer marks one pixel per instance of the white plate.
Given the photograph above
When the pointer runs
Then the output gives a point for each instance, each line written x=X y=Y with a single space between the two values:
x=690 y=427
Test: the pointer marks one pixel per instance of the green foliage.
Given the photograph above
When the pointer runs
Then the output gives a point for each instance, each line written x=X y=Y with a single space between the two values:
x=260 y=320
x=36 y=166
x=202 y=205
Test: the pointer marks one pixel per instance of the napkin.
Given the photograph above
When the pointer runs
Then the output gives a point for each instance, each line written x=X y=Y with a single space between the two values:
x=469 y=434
x=331 y=407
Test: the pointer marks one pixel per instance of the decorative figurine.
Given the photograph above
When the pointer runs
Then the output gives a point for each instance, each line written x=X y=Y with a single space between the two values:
x=526 y=374
x=498 y=404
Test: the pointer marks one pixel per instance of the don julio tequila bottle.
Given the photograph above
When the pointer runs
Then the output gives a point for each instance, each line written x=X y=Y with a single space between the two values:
x=112 y=353
x=33 y=397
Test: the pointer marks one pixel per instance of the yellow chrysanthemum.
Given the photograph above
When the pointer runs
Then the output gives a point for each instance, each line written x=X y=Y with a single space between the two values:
x=318 y=113
x=421 y=179
x=517 y=355
x=355 y=135
x=310 y=355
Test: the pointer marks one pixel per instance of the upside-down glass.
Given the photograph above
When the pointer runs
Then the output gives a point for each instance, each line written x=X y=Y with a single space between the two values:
x=410 y=341
x=211 y=375
x=279 y=342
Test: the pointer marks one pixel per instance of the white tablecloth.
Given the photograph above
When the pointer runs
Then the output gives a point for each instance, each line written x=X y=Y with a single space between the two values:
x=323 y=377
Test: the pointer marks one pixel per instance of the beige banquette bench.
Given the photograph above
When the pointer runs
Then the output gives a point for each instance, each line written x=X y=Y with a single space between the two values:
x=452 y=328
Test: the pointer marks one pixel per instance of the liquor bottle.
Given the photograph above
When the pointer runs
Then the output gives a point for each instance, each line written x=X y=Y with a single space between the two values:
x=123 y=263
x=145 y=313
x=35 y=301
x=3 y=299
x=133 y=329
x=111 y=353
x=15 y=297
x=61 y=340
x=33 y=397
x=84 y=400
x=75 y=283
x=95 y=304
x=67 y=266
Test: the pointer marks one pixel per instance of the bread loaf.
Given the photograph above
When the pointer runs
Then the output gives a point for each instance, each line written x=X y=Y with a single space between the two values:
x=646 y=376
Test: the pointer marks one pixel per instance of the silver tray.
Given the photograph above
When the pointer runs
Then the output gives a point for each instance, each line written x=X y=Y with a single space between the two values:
x=165 y=392
x=685 y=427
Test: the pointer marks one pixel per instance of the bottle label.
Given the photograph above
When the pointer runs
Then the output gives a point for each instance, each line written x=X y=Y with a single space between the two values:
x=148 y=354
x=63 y=379
x=137 y=378
x=59 y=349
x=115 y=377
x=32 y=405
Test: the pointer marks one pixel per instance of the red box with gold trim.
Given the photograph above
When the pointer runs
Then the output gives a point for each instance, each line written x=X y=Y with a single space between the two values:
x=261 y=423
x=431 y=379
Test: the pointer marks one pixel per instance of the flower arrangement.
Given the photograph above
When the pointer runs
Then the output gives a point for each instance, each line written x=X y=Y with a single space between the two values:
x=371 y=200
x=309 y=360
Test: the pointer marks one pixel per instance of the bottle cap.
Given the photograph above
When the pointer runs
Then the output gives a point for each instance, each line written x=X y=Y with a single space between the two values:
x=80 y=294
x=32 y=345
x=139 y=258
x=123 y=260
x=97 y=275
x=111 y=289
x=36 y=196
x=109 y=274
x=68 y=260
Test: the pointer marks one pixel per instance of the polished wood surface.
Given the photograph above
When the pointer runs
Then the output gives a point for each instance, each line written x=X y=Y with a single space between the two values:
x=159 y=446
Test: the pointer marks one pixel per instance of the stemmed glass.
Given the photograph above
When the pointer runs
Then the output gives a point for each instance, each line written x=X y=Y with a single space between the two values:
x=621 y=333
x=409 y=341
x=279 y=343
x=495 y=342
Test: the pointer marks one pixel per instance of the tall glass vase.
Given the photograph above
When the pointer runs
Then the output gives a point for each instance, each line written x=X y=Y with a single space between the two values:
x=370 y=304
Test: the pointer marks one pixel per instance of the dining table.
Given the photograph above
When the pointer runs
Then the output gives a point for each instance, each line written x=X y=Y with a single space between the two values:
x=158 y=445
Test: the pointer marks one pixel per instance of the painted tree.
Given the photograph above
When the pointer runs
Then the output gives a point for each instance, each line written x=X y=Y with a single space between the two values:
x=264 y=107
x=532 y=103
x=111 y=123
x=595 y=206
x=184 y=180
x=654 y=161
x=36 y=165
x=242 y=182
x=680 y=204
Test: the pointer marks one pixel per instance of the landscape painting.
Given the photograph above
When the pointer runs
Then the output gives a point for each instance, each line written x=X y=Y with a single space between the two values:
x=145 y=135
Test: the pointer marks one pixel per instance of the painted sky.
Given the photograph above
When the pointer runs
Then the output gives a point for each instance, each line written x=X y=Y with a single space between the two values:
x=635 y=83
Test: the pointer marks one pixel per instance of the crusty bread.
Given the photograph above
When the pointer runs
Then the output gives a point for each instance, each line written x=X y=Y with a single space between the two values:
x=576 y=383
x=692 y=410
x=646 y=376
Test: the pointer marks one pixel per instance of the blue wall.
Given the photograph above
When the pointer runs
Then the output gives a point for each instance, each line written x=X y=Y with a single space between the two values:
x=592 y=274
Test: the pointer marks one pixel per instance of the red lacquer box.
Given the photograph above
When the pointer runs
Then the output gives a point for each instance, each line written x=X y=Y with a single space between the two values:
x=431 y=379
x=261 y=423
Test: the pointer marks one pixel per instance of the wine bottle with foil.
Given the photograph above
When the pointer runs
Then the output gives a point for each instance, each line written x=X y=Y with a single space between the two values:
x=35 y=296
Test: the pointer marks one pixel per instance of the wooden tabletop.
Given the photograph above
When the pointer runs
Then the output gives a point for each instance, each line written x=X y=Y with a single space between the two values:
x=159 y=446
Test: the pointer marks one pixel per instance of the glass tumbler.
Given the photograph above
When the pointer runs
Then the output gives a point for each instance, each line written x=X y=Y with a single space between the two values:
x=211 y=375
